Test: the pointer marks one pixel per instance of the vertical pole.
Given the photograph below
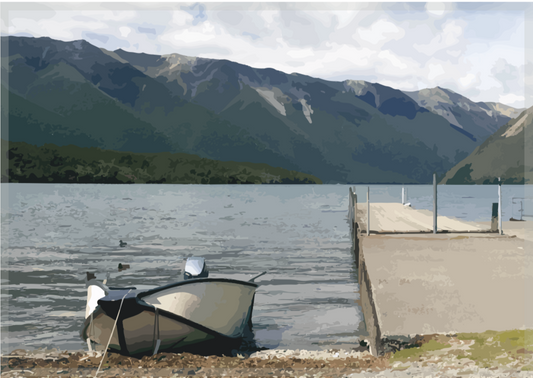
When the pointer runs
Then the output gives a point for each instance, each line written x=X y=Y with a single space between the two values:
x=355 y=206
x=434 y=203
x=500 y=206
x=368 y=211
x=403 y=195
x=350 y=215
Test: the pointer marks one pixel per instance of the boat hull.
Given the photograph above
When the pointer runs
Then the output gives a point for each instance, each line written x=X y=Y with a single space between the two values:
x=195 y=315
x=223 y=306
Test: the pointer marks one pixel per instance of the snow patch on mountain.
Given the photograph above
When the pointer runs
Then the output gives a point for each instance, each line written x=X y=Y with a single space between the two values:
x=306 y=108
x=270 y=97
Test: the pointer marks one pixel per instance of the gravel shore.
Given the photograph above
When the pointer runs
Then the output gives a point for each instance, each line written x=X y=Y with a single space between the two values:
x=429 y=356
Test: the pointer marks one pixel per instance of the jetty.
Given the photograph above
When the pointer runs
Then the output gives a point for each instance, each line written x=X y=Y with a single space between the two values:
x=466 y=277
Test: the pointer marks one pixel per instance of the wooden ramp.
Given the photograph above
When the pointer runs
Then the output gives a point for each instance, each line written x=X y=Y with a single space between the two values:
x=397 y=218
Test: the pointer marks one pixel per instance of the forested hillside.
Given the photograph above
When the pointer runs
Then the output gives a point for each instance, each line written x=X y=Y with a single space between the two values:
x=72 y=164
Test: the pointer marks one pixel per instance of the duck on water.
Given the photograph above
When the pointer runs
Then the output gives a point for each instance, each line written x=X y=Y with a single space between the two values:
x=197 y=313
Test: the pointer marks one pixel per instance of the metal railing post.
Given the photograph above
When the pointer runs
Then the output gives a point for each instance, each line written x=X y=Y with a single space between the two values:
x=368 y=211
x=434 y=203
x=500 y=206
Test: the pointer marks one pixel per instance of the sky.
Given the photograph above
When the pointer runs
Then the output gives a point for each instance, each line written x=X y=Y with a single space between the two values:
x=475 y=49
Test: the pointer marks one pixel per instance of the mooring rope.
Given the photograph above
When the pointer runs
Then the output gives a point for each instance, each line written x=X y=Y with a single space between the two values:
x=111 y=335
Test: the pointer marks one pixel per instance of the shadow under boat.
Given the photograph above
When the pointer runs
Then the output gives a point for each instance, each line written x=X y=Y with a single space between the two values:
x=197 y=315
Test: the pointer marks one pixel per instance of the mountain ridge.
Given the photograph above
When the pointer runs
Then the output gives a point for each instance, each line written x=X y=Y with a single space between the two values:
x=346 y=132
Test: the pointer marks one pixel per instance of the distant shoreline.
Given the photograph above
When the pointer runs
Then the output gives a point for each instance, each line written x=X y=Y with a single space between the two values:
x=89 y=165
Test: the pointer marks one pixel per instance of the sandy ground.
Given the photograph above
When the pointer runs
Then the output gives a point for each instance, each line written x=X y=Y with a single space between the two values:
x=447 y=361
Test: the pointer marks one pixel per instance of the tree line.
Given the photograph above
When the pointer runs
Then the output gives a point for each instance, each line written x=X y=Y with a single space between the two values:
x=71 y=164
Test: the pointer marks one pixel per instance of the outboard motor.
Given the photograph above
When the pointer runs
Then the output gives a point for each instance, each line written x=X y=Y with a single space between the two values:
x=195 y=268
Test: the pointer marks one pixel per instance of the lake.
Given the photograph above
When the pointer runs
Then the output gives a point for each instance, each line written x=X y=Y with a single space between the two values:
x=309 y=299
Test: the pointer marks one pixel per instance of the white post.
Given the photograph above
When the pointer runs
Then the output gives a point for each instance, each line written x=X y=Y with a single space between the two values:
x=500 y=206
x=368 y=211
x=403 y=195
x=434 y=203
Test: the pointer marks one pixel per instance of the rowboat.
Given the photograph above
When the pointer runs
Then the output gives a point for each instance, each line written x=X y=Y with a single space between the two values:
x=198 y=313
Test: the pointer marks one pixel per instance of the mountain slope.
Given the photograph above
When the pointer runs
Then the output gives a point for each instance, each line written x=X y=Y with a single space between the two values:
x=501 y=155
x=303 y=105
x=476 y=120
x=503 y=109
x=346 y=132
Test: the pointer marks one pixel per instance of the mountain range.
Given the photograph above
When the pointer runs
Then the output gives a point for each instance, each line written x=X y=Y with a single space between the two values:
x=342 y=132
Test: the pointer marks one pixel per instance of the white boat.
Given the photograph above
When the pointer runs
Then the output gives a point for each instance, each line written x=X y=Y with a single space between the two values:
x=182 y=316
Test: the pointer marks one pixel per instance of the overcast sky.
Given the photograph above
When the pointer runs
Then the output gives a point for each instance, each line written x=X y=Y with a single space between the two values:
x=475 y=49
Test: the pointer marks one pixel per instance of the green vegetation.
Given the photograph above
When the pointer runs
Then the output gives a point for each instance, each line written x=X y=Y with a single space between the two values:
x=501 y=155
x=502 y=348
x=70 y=164
x=489 y=349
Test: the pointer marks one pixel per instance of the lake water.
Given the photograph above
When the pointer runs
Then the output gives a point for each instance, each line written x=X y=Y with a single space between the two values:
x=53 y=234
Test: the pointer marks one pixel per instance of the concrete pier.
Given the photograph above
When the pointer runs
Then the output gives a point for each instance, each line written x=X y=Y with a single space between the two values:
x=397 y=218
x=424 y=283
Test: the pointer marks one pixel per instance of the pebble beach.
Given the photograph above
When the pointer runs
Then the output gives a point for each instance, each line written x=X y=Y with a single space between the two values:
x=428 y=356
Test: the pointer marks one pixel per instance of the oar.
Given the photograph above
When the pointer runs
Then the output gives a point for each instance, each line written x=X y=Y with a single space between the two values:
x=259 y=275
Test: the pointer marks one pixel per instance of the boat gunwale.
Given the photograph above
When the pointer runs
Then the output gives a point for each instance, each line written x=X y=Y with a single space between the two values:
x=193 y=281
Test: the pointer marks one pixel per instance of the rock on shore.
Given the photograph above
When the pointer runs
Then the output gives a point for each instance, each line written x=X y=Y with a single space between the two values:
x=467 y=355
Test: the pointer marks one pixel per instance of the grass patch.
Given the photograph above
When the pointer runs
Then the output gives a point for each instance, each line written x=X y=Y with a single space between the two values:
x=493 y=348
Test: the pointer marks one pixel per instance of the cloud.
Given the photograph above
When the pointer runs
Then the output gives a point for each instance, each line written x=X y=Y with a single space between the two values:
x=512 y=100
x=435 y=70
x=124 y=31
x=146 y=30
x=508 y=75
x=449 y=37
x=435 y=8
x=467 y=80
x=380 y=31
x=476 y=50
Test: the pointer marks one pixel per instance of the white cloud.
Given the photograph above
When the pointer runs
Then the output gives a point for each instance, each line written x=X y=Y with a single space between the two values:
x=435 y=70
x=407 y=46
x=124 y=31
x=120 y=16
x=450 y=36
x=344 y=18
x=380 y=31
x=181 y=19
x=393 y=63
x=301 y=53
x=467 y=80
x=512 y=100
x=454 y=53
x=62 y=27
x=436 y=8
